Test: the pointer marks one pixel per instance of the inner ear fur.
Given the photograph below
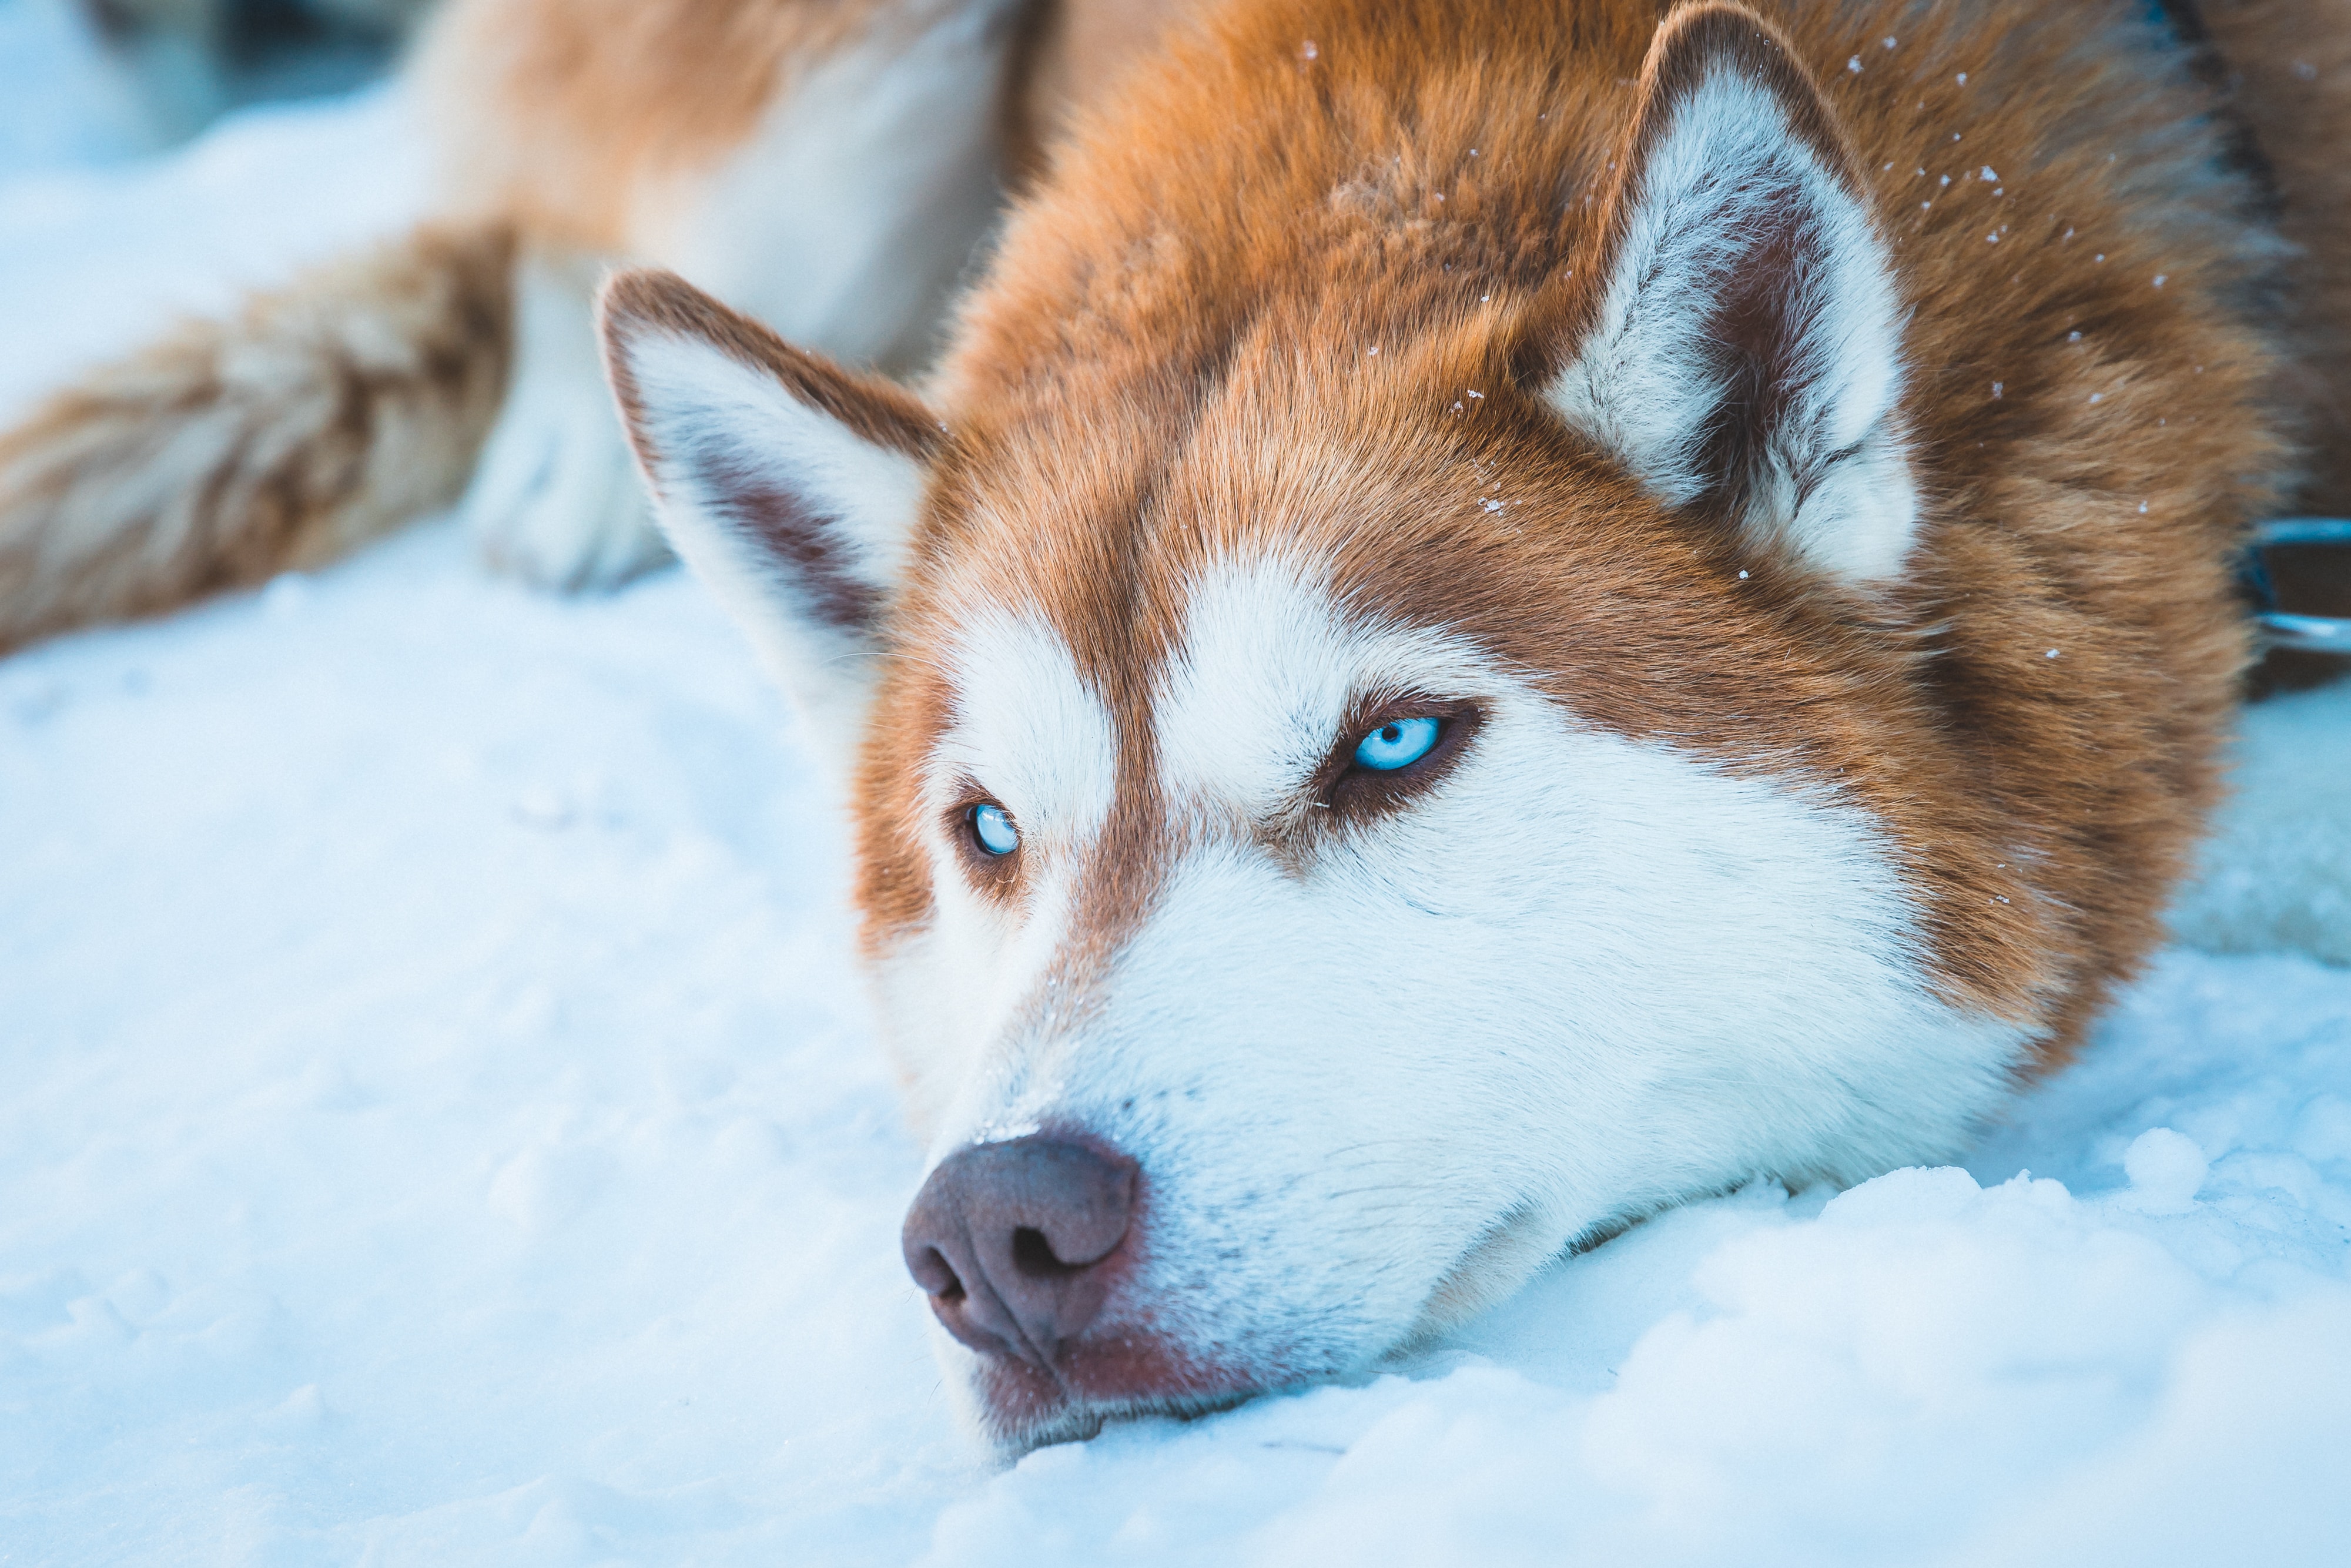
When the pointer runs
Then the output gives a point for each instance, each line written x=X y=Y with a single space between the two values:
x=789 y=484
x=773 y=468
x=1736 y=342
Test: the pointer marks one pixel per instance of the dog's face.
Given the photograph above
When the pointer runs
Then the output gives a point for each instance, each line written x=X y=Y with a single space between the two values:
x=1335 y=836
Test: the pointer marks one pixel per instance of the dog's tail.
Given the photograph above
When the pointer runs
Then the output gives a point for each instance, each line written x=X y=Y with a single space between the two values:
x=323 y=414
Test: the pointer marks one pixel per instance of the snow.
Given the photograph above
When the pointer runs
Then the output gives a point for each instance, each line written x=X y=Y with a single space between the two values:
x=2279 y=869
x=440 y=1128
x=65 y=105
x=97 y=251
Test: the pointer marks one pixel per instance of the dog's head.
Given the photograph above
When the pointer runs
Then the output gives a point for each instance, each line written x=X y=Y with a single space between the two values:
x=1364 y=786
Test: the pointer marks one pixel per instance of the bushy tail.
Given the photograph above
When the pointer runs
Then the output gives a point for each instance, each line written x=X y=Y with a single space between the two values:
x=325 y=413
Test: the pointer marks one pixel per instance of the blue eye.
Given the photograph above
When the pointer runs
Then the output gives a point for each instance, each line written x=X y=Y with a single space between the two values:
x=1399 y=743
x=991 y=824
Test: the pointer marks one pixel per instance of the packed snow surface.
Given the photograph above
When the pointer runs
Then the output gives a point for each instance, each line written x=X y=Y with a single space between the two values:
x=439 y=1128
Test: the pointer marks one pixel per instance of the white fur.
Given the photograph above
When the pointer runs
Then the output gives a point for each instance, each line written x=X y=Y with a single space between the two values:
x=1836 y=485
x=1027 y=728
x=712 y=422
x=1250 y=711
x=847 y=217
x=1030 y=731
x=1585 y=977
x=843 y=222
x=555 y=498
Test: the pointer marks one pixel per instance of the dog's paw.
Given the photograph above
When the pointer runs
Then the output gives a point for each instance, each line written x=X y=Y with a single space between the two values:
x=557 y=500
x=2276 y=874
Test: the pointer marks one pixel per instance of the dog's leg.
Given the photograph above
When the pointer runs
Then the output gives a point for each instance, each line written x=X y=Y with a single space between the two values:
x=846 y=218
x=842 y=215
x=555 y=500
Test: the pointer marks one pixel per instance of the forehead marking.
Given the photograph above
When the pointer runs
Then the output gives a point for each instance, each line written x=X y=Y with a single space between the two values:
x=1026 y=727
x=1267 y=669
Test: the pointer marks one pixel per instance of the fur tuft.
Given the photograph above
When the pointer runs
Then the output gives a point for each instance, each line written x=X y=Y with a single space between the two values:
x=325 y=413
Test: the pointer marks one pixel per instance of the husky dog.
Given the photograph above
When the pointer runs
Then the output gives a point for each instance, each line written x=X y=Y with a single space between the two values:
x=1487 y=615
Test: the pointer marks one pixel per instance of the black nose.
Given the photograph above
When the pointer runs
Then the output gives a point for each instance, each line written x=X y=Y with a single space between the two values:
x=1010 y=1241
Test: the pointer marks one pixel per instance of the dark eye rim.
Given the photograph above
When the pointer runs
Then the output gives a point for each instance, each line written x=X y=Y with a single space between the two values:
x=993 y=873
x=1345 y=786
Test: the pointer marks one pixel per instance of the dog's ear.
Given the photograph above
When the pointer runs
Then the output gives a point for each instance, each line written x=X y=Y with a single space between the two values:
x=788 y=485
x=1738 y=347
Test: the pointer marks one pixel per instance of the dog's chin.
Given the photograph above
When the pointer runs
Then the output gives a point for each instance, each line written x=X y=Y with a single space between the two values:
x=1080 y=1420
x=1019 y=1406
x=1135 y=1373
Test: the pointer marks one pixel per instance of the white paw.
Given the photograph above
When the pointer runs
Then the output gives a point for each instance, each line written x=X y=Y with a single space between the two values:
x=557 y=500
x=2277 y=871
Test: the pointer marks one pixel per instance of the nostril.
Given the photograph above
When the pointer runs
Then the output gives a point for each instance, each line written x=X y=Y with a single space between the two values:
x=937 y=1276
x=1032 y=1254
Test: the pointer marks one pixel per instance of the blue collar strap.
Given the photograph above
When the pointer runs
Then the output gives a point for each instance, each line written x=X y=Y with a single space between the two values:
x=2299 y=634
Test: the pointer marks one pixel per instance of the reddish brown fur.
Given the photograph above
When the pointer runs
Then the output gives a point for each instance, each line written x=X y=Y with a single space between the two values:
x=561 y=115
x=564 y=119
x=1074 y=53
x=876 y=410
x=320 y=416
x=1169 y=364
x=565 y=115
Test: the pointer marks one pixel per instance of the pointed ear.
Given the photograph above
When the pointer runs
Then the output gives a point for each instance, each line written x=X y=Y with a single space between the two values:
x=1740 y=346
x=788 y=485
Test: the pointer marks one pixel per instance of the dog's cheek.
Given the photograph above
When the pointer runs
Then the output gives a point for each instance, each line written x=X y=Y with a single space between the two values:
x=1595 y=976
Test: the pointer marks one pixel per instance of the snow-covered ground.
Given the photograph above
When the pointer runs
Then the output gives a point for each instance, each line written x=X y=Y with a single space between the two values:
x=437 y=1127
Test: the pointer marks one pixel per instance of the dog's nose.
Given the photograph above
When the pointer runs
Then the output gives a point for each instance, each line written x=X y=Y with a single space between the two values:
x=1009 y=1238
